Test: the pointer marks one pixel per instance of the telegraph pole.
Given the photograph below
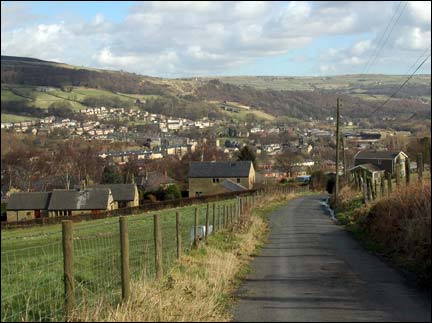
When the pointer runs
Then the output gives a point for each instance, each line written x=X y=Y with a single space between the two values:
x=337 y=153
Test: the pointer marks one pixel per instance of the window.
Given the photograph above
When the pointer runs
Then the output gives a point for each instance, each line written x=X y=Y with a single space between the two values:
x=215 y=180
x=379 y=161
x=238 y=180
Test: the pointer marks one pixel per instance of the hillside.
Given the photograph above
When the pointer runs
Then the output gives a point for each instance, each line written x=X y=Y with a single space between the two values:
x=37 y=84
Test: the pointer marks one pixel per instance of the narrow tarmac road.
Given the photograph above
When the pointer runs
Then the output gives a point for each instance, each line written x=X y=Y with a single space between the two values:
x=312 y=270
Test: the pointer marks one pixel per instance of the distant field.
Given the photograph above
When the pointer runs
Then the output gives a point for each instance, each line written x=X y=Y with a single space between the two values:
x=14 y=118
x=244 y=111
x=310 y=83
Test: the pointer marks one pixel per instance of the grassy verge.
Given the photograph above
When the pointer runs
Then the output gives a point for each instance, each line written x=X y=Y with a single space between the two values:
x=396 y=227
x=199 y=286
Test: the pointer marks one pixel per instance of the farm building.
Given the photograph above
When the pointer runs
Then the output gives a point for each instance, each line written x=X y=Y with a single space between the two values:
x=76 y=202
x=124 y=195
x=384 y=160
x=24 y=206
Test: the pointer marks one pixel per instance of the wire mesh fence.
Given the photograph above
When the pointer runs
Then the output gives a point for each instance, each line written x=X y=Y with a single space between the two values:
x=33 y=268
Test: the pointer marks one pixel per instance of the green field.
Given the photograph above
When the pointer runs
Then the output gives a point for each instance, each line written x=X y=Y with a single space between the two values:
x=32 y=261
x=324 y=82
x=5 y=117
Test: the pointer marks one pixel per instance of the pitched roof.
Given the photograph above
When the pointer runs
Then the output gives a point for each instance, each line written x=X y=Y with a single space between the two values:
x=232 y=187
x=154 y=180
x=28 y=201
x=89 y=199
x=373 y=154
x=220 y=169
x=370 y=167
x=120 y=192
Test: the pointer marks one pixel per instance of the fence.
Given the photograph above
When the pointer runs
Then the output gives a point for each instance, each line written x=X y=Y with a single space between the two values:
x=153 y=206
x=47 y=272
x=378 y=188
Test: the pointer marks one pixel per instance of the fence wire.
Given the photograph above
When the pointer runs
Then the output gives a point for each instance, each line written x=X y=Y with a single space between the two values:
x=32 y=276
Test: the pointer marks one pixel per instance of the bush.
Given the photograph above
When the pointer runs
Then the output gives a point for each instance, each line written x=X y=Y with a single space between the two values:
x=318 y=181
x=172 y=192
x=402 y=224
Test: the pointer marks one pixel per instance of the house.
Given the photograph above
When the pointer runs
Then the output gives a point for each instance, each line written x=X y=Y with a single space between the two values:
x=384 y=160
x=152 y=181
x=77 y=202
x=27 y=206
x=213 y=177
x=124 y=195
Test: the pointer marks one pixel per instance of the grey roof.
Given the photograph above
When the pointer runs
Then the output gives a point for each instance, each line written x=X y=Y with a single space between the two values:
x=373 y=154
x=89 y=199
x=368 y=166
x=153 y=181
x=220 y=169
x=232 y=187
x=28 y=201
x=120 y=192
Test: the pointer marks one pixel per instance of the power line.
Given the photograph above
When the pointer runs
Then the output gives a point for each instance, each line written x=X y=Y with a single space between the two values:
x=417 y=60
x=403 y=84
x=379 y=49
x=381 y=39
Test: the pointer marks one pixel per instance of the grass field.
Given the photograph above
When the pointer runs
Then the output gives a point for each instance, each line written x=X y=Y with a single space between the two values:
x=32 y=261
x=5 y=117
x=324 y=82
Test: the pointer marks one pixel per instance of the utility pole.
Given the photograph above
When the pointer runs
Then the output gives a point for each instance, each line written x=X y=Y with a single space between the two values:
x=344 y=159
x=337 y=152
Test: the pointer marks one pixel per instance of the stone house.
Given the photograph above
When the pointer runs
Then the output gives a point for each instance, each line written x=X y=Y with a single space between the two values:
x=24 y=206
x=77 y=202
x=124 y=195
x=207 y=178
x=384 y=160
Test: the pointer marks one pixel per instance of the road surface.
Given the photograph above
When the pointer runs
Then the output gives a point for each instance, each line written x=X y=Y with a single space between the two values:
x=313 y=270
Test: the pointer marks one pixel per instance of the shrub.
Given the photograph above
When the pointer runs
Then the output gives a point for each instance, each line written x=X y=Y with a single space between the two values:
x=402 y=224
x=172 y=192
x=318 y=181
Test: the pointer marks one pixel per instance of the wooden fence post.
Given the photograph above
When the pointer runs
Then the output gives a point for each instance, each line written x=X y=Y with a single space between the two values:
x=214 y=218
x=226 y=217
x=195 y=242
x=389 y=183
x=407 y=171
x=124 y=251
x=375 y=191
x=364 y=188
x=68 y=264
x=218 y=218
x=232 y=213
x=178 y=234
x=382 y=186
x=207 y=224
x=369 y=189
x=420 y=167
x=158 y=246
x=397 y=171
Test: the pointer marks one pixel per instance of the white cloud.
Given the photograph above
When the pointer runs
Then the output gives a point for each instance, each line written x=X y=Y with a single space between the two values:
x=186 y=38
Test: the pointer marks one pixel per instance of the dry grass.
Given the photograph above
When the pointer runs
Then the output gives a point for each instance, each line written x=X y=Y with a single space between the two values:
x=198 y=287
x=401 y=224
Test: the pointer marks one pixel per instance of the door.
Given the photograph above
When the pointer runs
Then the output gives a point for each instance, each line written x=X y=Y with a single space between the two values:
x=37 y=214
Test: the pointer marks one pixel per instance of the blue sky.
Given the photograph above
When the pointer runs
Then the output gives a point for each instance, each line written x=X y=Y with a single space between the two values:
x=181 y=39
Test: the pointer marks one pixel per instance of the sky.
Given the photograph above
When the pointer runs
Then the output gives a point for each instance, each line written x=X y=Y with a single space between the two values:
x=200 y=38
